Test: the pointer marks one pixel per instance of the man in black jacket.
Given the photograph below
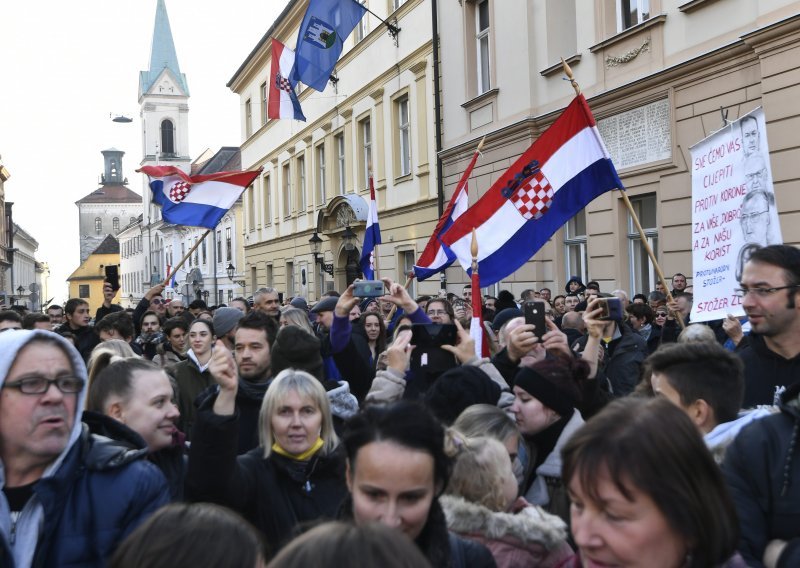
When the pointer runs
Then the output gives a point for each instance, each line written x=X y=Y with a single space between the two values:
x=253 y=343
x=78 y=318
x=770 y=292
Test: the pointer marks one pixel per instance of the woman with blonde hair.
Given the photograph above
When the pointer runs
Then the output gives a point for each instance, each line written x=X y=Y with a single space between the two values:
x=116 y=347
x=295 y=475
x=296 y=317
x=481 y=504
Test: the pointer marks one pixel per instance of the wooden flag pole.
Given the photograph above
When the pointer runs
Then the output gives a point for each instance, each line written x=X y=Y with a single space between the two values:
x=394 y=307
x=185 y=257
x=632 y=213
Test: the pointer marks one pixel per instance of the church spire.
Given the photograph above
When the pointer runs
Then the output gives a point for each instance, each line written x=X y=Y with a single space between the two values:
x=162 y=54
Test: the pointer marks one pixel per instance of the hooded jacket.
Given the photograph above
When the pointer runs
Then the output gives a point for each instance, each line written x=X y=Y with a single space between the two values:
x=89 y=498
x=765 y=372
x=622 y=367
x=528 y=538
x=762 y=471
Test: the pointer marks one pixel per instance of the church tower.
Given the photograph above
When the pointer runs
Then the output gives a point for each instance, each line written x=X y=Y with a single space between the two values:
x=164 y=109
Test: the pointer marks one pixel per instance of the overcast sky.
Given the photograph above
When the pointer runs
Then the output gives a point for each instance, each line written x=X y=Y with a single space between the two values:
x=66 y=67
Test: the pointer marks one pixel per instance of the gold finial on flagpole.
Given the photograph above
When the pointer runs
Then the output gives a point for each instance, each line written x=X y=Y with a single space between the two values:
x=480 y=145
x=570 y=77
x=473 y=248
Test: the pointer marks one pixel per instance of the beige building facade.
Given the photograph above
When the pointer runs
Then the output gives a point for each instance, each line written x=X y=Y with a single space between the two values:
x=378 y=117
x=657 y=74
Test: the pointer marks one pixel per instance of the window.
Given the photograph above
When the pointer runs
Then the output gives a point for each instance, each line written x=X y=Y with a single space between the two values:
x=407 y=259
x=301 y=183
x=219 y=246
x=248 y=119
x=228 y=244
x=404 y=137
x=267 y=188
x=270 y=279
x=643 y=274
x=230 y=295
x=365 y=159
x=98 y=225
x=631 y=12
x=482 y=44
x=167 y=138
x=361 y=28
x=341 y=163
x=287 y=190
x=251 y=208
x=196 y=254
x=115 y=224
x=263 y=91
x=321 y=174
x=290 y=278
x=83 y=290
x=576 y=256
x=183 y=252
x=220 y=296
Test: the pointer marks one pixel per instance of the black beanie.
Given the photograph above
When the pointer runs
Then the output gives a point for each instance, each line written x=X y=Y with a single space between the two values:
x=560 y=398
x=459 y=388
x=295 y=348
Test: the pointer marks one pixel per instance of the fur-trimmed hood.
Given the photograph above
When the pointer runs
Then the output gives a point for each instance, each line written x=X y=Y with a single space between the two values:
x=531 y=525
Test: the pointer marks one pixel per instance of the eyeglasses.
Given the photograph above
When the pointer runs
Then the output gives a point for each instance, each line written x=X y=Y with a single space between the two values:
x=437 y=313
x=661 y=314
x=762 y=292
x=40 y=385
x=157 y=301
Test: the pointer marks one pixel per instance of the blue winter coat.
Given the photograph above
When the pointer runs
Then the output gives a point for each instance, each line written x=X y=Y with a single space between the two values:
x=101 y=492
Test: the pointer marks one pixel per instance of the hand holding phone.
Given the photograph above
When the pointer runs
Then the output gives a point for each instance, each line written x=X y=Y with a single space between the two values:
x=611 y=308
x=368 y=289
x=535 y=311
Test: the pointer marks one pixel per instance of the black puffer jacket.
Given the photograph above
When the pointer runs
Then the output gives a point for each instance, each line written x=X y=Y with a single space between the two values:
x=764 y=371
x=276 y=494
x=171 y=461
x=762 y=470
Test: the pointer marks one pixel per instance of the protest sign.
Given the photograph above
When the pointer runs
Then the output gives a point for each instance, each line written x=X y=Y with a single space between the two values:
x=733 y=212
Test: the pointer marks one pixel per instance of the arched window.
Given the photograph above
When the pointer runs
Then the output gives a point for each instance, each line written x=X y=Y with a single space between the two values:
x=167 y=137
x=98 y=225
x=115 y=224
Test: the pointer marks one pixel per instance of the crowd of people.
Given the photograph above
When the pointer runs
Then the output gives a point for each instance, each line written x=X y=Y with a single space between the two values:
x=368 y=431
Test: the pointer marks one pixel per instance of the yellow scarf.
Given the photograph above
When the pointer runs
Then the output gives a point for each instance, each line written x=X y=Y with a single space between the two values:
x=299 y=457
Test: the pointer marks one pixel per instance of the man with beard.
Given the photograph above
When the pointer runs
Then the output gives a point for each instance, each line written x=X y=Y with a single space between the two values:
x=770 y=285
x=252 y=348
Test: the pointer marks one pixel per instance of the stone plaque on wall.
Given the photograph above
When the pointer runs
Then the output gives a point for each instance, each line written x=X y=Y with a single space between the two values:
x=638 y=136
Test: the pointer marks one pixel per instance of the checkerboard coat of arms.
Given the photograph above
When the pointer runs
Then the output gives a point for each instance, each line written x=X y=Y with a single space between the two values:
x=530 y=191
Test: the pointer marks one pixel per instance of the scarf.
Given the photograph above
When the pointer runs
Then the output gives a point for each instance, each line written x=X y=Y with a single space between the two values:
x=299 y=457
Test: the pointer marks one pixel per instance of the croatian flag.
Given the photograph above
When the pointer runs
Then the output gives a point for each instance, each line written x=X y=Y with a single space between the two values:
x=283 y=102
x=195 y=201
x=372 y=236
x=561 y=173
x=320 y=40
x=436 y=257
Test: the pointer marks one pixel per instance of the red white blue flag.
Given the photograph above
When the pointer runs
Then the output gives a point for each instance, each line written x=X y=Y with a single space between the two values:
x=283 y=101
x=562 y=172
x=372 y=236
x=436 y=256
x=195 y=201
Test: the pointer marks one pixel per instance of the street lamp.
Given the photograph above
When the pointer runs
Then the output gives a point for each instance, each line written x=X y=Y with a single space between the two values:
x=231 y=270
x=316 y=248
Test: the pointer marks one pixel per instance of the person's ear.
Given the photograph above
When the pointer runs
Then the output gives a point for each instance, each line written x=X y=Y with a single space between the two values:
x=114 y=410
x=701 y=414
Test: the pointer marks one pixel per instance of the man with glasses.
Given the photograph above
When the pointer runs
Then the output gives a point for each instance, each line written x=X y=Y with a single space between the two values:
x=68 y=498
x=56 y=314
x=151 y=301
x=770 y=285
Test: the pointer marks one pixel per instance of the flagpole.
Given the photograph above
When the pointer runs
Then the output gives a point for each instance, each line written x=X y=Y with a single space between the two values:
x=185 y=257
x=631 y=212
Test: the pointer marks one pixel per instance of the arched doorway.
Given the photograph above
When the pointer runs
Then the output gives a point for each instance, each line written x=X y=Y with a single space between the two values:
x=347 y=267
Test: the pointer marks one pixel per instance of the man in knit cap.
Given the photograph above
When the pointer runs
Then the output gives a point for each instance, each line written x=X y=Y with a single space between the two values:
x=225 y=322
